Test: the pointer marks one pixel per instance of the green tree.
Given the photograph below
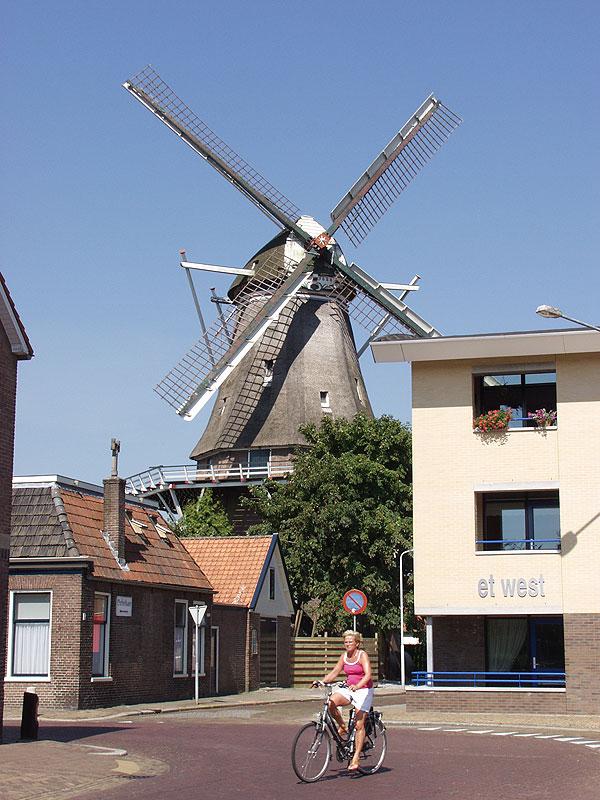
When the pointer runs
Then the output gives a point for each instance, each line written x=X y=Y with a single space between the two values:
x=343 y=516
x=204 y=517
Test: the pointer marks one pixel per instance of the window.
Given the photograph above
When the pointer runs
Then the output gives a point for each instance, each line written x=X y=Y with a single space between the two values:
x=258 y=459
x=100 y=635
x=254 y=642
x=271 y=583
x=524 y=392
x=325 y=405
x=525 y=644
x=267 y=372
x=30 y=635
x=222 y=409
x=202 y=632
x=180 y=638
x=520 y=521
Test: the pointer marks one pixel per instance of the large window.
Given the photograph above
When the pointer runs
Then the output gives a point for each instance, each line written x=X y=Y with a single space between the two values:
x=101 y=635
x=523 y=392
x=520 y=521
x=525 y=644
x=180 y=638
x=30 y=636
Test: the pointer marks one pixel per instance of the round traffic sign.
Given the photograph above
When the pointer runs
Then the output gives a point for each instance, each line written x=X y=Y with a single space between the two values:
x=355 y=601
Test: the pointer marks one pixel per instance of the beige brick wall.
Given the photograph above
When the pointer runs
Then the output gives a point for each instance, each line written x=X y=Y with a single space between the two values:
x=450 y=461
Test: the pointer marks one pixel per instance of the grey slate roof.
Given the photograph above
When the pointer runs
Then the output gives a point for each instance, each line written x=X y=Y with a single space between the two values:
x=39 y=527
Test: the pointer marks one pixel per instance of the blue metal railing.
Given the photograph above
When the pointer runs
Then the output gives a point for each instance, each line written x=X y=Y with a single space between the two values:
x=518 y=544
x=518 y=680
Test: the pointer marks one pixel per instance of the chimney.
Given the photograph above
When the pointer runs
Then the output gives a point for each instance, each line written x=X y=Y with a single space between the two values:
x=114 y=506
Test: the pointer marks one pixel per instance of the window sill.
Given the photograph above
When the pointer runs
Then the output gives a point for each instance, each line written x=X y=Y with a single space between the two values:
x=503 y=689
x=101 y=679
x=181 y=675
x=516 y=552
x=25 y=679
x=529 y=429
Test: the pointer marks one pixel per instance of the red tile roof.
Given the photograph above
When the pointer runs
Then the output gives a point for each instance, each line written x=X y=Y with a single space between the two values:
x=150 y=558
x=233 y=564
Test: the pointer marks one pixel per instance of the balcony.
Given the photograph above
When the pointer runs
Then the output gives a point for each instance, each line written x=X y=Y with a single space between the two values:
x=156 y=479
x=512 y=545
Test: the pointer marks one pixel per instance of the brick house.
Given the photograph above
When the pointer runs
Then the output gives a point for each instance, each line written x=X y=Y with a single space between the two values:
x=506 y=528
x=99 y=594
x=252 y=609
x=14 y=347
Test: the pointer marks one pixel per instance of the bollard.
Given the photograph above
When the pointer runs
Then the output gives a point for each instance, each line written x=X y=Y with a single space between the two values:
x=29 y=716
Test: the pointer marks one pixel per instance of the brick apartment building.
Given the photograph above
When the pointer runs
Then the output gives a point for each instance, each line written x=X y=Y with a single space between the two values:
x=100 y=590
x=14 y=347
x=506 y=521
x=252 y=609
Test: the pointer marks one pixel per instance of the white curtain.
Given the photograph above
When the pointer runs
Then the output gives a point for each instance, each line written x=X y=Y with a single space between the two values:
x=505 y=638
x=30 y=648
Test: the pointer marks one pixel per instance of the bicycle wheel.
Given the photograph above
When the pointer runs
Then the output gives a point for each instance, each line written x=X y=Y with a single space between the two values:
x=311 y=752
x=374 y=749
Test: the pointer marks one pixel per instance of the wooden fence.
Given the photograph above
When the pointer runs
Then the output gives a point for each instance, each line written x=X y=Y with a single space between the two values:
x=314 y=656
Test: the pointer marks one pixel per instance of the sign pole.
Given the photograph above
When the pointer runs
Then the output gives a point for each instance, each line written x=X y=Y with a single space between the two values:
x=197 y=611
x=197 y=659
x=354 y=622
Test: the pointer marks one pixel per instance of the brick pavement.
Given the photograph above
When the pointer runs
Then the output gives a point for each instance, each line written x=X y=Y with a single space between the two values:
x=48 y=770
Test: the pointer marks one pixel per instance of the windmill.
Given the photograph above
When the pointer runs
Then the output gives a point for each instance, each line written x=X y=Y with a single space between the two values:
x=281 y=350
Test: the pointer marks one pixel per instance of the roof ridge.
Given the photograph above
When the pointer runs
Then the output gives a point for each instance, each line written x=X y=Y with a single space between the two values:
x=63 y=520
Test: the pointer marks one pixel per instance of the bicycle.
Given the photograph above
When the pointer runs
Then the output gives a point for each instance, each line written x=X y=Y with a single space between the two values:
x=312 y=748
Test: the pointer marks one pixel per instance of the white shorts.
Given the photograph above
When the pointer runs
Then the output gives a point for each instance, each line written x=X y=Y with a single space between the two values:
x=361 y=699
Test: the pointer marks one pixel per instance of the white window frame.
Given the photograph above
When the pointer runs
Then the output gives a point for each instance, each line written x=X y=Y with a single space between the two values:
x=10 y=678
x=105 y=674
x=184 y=673
x=201 y=666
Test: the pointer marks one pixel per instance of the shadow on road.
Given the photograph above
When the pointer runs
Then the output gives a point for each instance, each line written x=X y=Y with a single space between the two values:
x=59 y=732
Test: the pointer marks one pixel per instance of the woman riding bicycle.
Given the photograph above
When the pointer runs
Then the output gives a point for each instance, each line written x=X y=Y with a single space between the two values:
x=359 y=692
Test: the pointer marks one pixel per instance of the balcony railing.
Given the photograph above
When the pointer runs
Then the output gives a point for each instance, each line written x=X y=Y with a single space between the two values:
x=486 y=680
x=503 y=545
x=155 y=479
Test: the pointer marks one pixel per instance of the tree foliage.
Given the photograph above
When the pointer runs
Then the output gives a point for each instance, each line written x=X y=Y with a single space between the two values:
x=343 y=516
x=204 y=517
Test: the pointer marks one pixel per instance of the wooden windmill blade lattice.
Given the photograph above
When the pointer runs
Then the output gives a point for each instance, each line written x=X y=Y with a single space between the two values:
x=152 y=91
x=392 y=171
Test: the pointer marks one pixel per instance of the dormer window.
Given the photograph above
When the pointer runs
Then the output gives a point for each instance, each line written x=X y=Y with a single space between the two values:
x=268 y=372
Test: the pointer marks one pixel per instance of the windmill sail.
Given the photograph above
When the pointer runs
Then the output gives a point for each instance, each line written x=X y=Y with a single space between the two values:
x=149 y=88
x=258 y=303
x=393 y=169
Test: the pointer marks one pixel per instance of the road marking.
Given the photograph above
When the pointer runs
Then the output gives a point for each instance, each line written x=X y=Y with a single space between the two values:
x=506 y=733
x=429 y=729
x=105 y=751
x=569 y=738
x=549 y=736
x=593 y=746
x=523 y=735
x=489 y=730
x=454 y=730
x=586 y=741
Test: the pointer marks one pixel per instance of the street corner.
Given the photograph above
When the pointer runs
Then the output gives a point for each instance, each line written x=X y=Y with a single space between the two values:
x=48 y=770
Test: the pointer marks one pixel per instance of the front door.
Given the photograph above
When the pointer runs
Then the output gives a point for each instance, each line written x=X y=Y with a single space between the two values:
x=214 y=660
x=546 y=645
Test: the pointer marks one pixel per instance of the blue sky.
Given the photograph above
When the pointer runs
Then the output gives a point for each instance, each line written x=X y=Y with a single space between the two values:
x=98 y=197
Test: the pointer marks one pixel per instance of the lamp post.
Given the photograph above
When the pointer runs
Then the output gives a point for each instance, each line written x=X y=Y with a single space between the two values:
x=402 y=666
x=551 y=312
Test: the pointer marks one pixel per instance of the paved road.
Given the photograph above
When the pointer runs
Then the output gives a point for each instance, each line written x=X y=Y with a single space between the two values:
x=217 y=759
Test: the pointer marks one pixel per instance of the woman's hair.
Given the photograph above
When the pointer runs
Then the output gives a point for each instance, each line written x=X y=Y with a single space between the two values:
x=357 y=636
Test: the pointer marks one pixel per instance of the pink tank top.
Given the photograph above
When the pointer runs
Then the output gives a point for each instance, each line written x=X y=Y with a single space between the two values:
x=355 y=672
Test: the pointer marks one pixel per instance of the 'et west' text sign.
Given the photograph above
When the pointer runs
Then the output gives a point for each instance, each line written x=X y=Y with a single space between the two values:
x=511 y=587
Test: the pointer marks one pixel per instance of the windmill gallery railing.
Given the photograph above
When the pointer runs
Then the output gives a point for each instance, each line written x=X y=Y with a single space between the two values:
x=155 y=478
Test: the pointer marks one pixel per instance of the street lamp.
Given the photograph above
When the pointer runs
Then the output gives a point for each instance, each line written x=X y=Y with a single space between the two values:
x=402 y=666
x=551 y=312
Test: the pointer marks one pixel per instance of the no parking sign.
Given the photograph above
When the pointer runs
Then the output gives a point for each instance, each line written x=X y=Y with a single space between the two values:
x=355 y=602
